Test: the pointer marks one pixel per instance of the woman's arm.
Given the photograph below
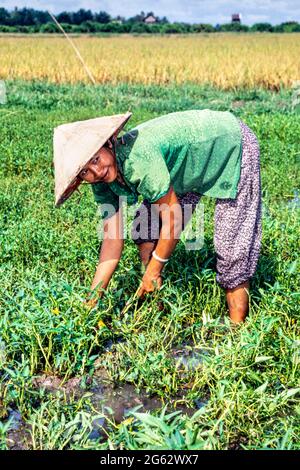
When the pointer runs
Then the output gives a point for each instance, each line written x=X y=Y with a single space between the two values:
x=171 y=215
x=111 y=250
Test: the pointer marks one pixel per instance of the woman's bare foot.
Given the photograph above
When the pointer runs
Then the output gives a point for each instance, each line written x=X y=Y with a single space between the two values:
x=238 y=302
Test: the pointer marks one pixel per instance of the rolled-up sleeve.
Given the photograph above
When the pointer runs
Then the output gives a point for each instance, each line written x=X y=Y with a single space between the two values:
x=149 y=173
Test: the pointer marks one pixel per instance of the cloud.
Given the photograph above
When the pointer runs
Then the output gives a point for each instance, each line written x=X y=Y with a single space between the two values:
x=208 y=11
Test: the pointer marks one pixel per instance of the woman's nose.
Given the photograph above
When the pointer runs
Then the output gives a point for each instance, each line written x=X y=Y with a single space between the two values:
x=96 y=171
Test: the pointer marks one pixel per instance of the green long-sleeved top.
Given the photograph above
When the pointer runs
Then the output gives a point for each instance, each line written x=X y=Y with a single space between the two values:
x=193 y=151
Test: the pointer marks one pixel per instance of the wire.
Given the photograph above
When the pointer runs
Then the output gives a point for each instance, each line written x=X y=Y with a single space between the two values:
x=89 y=73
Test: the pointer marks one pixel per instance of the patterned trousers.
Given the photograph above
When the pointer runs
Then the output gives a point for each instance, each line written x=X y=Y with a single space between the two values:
x=237 y=222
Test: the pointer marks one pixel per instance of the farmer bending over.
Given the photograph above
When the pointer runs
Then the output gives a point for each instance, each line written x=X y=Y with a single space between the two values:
x=171 y=161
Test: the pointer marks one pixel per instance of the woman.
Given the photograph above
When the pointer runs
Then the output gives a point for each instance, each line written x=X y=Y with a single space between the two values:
x=171 y=161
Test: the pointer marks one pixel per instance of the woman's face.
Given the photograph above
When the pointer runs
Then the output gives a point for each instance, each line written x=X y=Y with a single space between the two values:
x=102 y=167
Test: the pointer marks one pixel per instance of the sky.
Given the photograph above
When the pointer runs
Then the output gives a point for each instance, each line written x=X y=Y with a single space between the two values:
x=191 y=11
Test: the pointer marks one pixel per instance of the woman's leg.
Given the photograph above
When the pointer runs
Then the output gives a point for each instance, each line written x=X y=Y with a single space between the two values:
x=238 y=231
x=238 y=302
x=147 y=238
x=141 y=232
x=145 y=251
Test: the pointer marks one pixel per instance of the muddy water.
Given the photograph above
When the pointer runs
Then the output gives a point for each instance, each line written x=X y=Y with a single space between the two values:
x=18 y=436
x=295 y=202
x=108 y=399
x=188 y=358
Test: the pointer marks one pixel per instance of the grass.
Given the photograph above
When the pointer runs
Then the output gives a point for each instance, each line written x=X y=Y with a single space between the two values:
x=248 y=380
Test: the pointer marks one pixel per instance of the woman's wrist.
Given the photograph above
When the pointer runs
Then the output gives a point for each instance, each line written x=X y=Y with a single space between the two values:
x=155 y=266
x=159 y=258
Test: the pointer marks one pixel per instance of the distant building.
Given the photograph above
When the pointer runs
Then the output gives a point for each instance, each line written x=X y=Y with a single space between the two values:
x=118 y=19
x=236 y=18
x=150 y=19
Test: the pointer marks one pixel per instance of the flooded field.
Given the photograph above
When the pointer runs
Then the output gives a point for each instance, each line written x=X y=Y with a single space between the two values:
x=114 y=402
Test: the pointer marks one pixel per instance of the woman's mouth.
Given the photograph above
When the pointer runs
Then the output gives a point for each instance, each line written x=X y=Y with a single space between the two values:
x=104 y=175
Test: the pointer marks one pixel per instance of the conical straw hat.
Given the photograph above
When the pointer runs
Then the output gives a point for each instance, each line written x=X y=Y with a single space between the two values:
x=75 y=144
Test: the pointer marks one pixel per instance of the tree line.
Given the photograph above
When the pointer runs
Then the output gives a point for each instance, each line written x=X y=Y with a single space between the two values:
x=29 y=20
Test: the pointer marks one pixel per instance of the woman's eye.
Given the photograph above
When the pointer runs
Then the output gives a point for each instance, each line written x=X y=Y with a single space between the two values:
x=83 y=172
x=95 y=160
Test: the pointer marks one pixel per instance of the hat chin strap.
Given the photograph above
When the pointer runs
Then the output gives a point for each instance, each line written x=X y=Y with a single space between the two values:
x=113 y=141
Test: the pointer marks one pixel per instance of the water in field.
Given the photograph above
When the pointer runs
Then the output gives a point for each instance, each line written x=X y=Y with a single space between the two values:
x=18 y=435
x=114 y=401
x=188 y=358
x=295 y=202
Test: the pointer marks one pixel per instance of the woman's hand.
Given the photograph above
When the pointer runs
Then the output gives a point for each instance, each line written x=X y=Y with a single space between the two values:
x=90 y=303
x=92 y=299
x=151 y=280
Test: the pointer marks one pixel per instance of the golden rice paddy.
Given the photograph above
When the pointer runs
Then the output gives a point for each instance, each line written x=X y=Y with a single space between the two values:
x=223 y=60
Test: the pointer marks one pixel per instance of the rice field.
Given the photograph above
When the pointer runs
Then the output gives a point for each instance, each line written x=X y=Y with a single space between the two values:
x=226 y=61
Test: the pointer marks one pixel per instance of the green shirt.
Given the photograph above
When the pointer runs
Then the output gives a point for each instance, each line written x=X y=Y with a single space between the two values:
x=194 y=151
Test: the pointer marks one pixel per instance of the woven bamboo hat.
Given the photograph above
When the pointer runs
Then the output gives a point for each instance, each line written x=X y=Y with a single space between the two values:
x=75 y=144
